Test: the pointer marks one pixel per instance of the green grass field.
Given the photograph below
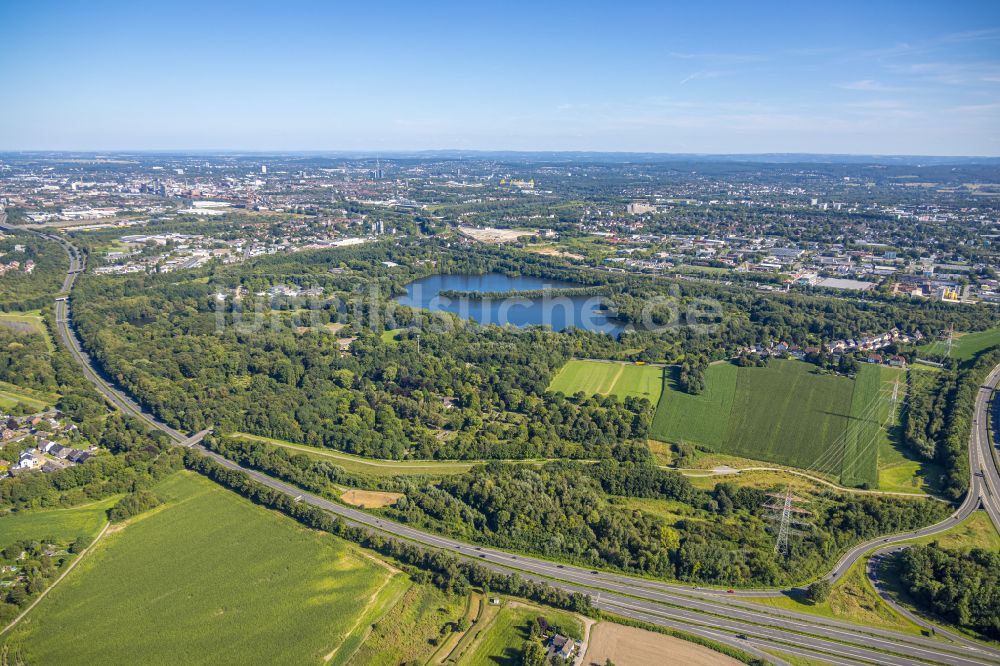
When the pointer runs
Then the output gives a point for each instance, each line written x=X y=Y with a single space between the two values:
x=208 y=577
x=976 y=531
x=853 y=598
x=788 y=411
x=783 y=413
x=500 y=645
x=899 y=470
x=909 y=476
x=699 y=419
x=965 y=345
x=58 y=524
x=865 y=434
x=670 y=511
x=389 y=337
x=24 y=321
x=369 y=466
x=27 y=322
x=609 y=378
x=37 y=401
x=404 y=634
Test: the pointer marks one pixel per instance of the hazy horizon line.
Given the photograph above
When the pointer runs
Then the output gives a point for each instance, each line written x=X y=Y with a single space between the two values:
x=484 y=151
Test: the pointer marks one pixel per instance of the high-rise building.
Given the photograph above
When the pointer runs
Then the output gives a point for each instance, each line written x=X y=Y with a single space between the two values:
x=263 y=168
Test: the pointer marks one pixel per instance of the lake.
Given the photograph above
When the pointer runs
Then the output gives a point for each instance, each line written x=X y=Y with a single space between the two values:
x=558 y=312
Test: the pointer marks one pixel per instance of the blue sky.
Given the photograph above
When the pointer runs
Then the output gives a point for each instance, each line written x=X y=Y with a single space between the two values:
x=734 y=77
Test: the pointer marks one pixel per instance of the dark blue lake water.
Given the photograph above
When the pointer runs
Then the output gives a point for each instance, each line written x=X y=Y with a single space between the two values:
x=558 y=312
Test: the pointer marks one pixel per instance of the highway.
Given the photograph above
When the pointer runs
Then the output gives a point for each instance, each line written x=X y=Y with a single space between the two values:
x=713 y=614
x=986 y=474
x=982 y=493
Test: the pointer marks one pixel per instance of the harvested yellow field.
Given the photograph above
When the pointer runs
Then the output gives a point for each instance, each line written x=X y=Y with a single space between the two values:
x=627 y=646
x=370 y=499
x=551 y=251
x=491 y=236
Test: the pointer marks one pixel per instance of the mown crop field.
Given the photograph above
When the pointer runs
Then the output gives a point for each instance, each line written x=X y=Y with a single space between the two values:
x=609 y=378
x=56 y=524
x=865 y=433
x=699 y=419
x=208 y=577
x=784 y=413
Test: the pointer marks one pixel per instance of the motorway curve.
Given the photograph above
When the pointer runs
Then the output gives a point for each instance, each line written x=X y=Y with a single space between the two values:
x=711 y=614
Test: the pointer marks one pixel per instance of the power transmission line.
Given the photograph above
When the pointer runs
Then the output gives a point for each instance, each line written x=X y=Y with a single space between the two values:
x=785 y=514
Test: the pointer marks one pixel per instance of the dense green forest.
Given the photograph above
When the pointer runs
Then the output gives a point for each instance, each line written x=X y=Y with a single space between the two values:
x=961 y=587
x=565 y=510
x=924 y=417
x=469 y=392
x=938 y=416
x=25 y=360
x=273 y=366
x=29 y=291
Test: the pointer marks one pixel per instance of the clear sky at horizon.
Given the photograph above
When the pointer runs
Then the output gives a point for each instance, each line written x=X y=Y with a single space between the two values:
x=734 y=77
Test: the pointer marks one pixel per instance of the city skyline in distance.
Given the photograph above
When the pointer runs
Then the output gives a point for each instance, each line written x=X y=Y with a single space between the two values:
x=899 y=79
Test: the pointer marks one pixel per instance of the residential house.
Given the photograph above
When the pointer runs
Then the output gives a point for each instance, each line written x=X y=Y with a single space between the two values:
x=77 y=456
x=28 y=460
x=561 y=646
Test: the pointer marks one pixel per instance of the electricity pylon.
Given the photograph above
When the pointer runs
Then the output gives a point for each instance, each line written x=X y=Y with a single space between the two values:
x=785 y=514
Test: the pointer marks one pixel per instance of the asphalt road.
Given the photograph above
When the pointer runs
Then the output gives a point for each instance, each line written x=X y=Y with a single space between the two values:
x=804 y=631
x=713 y=614
x=986 y=475
x=982 y=494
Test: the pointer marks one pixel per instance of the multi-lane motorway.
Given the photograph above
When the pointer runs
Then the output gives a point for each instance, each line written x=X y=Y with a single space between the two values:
x=983 y=486
x=986 y=473
x=714 y=614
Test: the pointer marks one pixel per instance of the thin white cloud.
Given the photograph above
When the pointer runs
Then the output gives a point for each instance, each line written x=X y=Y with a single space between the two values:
x=931 y=44
x=951 y=73
x=868 y=85
x=720 y=56
x=991 y=108
x=704 y=74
